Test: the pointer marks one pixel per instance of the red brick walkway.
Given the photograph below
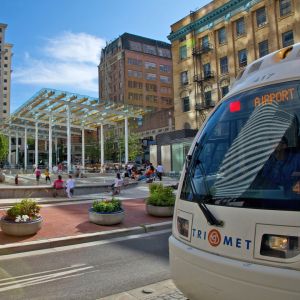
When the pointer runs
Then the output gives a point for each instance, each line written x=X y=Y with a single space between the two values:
x=70 y=220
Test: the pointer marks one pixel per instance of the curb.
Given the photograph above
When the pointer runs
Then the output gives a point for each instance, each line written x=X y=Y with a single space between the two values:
x=83 y=238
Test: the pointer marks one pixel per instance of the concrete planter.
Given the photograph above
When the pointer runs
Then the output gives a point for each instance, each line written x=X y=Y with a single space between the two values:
x=106 y=218
x=22 y=228
x=160 y=211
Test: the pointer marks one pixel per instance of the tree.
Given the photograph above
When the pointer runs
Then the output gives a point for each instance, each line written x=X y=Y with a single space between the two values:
x=3 y=147
x=135 y=148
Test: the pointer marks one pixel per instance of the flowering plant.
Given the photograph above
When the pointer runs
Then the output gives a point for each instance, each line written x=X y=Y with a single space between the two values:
x=25 y=211
x=107 y=206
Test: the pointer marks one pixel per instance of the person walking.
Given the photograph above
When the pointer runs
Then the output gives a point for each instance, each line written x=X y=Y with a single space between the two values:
x=117 y=184
x=159 y=171
x=37 y=173
x=47 y=176
x=70 y=185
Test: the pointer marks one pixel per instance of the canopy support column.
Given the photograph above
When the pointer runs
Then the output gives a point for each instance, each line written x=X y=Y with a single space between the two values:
x=56 y=149
x=25 y=149
x=36 y=160
x=50 y=143
x=69 y=138
x=102 y=148
x=17 y=147
x=9 y=148
x=126 y=140
x=83 y=149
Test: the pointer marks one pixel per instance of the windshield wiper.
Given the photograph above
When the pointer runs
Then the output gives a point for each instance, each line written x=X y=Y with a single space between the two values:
x=211 y=219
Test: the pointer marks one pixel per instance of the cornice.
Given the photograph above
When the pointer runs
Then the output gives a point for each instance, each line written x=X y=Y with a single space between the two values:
x=222 y=13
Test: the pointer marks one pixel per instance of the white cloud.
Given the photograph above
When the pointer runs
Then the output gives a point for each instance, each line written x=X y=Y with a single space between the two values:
x=68 y=61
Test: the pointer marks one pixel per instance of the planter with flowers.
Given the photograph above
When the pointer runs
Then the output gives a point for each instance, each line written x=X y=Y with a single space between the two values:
x=106 y=212
x=161 y=201
x=22 y=219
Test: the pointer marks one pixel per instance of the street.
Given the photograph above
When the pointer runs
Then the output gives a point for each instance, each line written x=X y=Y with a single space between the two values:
x=86 y=271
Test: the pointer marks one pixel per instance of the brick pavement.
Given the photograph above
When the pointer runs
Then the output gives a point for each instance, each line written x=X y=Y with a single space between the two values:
x=66 y=220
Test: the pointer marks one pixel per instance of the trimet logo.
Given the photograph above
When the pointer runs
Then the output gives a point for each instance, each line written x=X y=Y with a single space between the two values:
x=215 y=239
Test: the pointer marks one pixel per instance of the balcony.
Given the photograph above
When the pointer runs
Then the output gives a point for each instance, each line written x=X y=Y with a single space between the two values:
x=206 y=76
x=205 y=105
x=202 y=49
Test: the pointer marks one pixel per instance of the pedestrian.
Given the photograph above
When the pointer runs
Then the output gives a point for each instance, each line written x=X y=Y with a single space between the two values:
x=17 y=179
x=117 y=184
x=37 y=173
x=47 y=175
x=159 y=171
x=70 y=185
x=58 y=184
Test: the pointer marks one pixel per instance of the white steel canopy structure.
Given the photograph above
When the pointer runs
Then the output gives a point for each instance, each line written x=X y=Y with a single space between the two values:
x=59 y=114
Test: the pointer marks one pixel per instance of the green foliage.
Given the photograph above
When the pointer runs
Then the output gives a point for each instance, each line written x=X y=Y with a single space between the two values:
x=3 y=147
x=107 y=206
x=160 y=195
x=134 y=146
x=25 y=207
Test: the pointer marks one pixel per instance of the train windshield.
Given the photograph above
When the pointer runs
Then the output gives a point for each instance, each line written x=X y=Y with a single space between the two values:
x=248 y=154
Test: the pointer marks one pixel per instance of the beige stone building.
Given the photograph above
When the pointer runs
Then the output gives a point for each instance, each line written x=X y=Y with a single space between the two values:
x=5 y=73
x=212 y=45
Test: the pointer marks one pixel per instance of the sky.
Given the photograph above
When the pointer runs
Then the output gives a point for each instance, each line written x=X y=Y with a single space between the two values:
x=57 y=43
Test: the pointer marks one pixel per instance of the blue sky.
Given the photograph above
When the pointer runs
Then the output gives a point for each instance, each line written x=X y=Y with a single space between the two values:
x=57 y=43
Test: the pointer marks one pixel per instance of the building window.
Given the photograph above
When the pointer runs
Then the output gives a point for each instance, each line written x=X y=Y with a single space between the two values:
x=4 y=95
x=182 y=39
x=240 y=27
x=224 y=65
x=165 y=90
x=5 y=65
x=185 y=104
x=183 y=52
x=137 y=74
x=150 y=76
x=151 y=87
x=184 y=78
x=206 y=70
x=207 y=98
x=133 y=61
x=165 y=79
x=224 y=90
x=285 y=7
x=222 y=38
x=5 y=80
x=4 y=111
x=165 y=68
x=242 y=55
x=150 y=65
x=5 y=88
x=149 y=49
x=135 y=46
x=263 y=48
x=261 y=18
x=205 y=42
x=287 y=38
x=164 y=52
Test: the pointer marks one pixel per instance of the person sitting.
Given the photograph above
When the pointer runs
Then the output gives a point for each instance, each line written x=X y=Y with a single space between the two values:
x=58 y=184
x=282 y=168
x=148 y=174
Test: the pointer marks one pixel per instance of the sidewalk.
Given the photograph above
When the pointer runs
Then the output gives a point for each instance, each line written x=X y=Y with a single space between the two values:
x=66 y=222
x=164 y=290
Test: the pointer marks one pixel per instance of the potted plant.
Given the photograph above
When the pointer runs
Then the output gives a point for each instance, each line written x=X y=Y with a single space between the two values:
x=22 y=219
x=161 y=201
x=106 y=212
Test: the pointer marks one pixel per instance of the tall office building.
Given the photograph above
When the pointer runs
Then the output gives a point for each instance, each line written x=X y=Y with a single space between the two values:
x=213 y=44
x=138 y=71
x=5 y=73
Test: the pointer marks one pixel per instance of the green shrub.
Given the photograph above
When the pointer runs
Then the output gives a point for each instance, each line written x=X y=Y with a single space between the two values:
x=26 y=207
x=107 y=206
x=160 y=195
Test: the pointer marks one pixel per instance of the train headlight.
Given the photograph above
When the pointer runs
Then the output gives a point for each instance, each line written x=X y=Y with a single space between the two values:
x=280 y=246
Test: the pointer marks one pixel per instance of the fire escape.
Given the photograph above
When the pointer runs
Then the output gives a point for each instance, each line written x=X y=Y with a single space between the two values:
x=201 y=77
